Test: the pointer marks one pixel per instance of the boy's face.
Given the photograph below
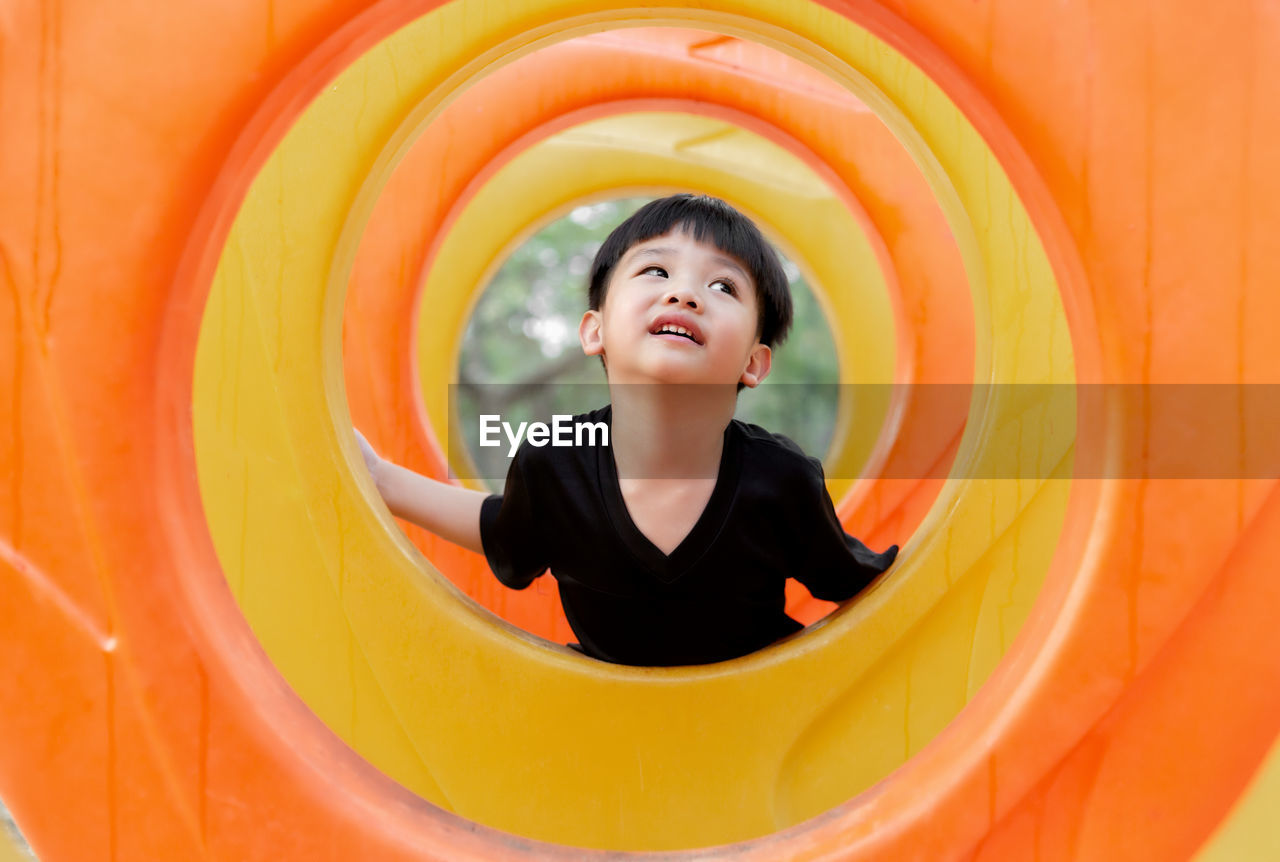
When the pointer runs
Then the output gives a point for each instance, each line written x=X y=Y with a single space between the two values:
x=674 y=279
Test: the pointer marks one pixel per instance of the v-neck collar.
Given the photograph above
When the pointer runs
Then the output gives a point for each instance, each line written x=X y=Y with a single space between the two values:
x=669 y=567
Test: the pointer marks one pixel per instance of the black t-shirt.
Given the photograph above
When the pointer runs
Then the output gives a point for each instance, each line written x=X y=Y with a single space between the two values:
x=720 y=593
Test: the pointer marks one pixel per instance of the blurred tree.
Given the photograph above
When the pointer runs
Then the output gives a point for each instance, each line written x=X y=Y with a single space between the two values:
x=520 y=356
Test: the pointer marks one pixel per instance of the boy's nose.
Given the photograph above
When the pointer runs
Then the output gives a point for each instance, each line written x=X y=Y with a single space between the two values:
x=679 y=292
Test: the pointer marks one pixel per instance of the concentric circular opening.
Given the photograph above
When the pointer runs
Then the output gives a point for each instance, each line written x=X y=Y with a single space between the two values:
x=343 y=282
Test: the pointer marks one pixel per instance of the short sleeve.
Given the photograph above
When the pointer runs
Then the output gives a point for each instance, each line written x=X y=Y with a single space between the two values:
x=832 y=564
x=509 y=531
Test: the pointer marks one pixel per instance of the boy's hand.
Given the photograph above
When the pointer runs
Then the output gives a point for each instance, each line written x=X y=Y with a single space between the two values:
x=371 y=459
x=450 y=512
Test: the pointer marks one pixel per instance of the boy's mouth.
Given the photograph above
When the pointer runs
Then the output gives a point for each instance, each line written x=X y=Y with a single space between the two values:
x=671 y=327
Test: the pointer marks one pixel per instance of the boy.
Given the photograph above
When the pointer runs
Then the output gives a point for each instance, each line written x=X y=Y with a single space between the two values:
x=671 y=544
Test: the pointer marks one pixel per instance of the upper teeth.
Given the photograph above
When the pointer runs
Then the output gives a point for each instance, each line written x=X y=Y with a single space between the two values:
x=670 y=327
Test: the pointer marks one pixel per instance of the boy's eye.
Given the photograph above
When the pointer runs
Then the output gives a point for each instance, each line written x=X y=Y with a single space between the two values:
x=729 y=287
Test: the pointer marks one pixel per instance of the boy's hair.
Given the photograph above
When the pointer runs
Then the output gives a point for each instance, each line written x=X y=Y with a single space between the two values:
x=706 y=219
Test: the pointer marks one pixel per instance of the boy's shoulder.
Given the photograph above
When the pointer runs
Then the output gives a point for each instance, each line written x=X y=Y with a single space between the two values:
x=777 y=455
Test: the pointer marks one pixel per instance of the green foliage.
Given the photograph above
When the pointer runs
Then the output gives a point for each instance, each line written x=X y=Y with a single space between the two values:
x=520 y=355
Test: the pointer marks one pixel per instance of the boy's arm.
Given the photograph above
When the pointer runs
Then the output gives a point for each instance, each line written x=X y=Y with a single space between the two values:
x=451 y=512
x=834 y=565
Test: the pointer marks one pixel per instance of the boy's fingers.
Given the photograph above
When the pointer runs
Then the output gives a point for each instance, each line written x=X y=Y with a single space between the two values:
x=371 y=458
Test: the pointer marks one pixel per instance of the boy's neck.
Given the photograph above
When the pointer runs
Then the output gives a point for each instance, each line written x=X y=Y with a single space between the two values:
x=667 y=430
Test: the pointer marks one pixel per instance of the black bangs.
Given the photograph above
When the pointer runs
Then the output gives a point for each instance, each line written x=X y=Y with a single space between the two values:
x=708 y=220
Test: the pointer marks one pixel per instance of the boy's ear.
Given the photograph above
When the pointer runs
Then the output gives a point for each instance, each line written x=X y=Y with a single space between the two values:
x=589 y=333
x=757 y=365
